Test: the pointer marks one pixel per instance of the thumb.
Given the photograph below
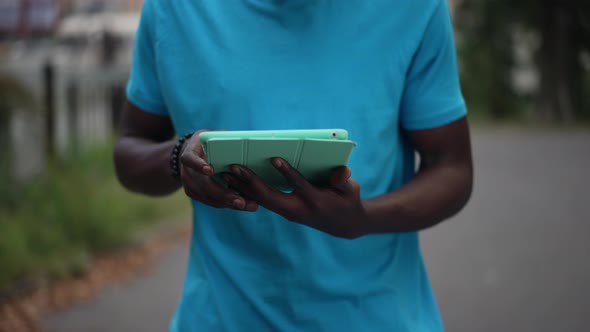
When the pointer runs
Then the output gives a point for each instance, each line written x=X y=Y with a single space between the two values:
x=339 y=176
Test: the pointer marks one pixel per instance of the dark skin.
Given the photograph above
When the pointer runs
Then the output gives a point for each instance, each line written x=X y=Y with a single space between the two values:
x=439 y=190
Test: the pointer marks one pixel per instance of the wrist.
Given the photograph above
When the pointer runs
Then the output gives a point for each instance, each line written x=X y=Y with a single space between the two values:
x=378 y=215
x=177 y=150
x=366 y=222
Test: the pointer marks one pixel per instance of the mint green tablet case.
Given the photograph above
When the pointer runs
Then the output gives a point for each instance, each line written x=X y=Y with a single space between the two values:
x=315 y=153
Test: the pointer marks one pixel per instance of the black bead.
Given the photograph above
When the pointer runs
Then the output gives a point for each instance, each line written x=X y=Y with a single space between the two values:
x=174 y=161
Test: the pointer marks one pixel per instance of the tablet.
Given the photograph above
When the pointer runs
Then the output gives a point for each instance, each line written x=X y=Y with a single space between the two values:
x=315 y=153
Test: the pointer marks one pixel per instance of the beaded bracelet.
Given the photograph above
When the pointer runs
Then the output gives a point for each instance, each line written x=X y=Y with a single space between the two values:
x=175 y=156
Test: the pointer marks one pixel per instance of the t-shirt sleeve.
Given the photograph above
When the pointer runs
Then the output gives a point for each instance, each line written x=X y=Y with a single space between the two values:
x=143 y=88
x=432 y=94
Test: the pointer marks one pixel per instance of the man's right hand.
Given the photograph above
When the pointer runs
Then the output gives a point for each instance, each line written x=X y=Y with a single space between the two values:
x=197 y=179
x=142 y=161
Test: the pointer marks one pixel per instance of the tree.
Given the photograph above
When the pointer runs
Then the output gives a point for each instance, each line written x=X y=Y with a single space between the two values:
x=486 y=29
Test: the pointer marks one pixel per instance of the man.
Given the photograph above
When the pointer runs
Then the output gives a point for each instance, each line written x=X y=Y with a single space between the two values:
x=344 y=257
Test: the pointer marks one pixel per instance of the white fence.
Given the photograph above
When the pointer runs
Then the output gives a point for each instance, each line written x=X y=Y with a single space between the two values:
x=72 y=104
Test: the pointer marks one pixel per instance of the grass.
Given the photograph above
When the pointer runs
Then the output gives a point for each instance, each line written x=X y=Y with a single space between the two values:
x=50 y=226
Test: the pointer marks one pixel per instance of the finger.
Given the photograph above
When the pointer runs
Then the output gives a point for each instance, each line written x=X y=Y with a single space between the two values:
x=206 y=190
x=353 y=187
x=196 y=145
x=193 y=155
x=251 y=206
x=289 y=206
x=193 y=186
x=229 y=198
x=252 y=186
x=203 y=199
x=294 y=178
x=339 y=176
x=192 y=160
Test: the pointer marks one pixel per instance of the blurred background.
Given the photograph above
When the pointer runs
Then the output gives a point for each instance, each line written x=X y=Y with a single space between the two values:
x=79 y=253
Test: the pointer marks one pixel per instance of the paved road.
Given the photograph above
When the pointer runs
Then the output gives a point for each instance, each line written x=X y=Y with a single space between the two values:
x=516 y=259
x=144 y=305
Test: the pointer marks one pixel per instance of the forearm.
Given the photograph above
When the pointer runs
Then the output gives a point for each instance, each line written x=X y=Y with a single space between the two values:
x=433 y=195
x=144 y=166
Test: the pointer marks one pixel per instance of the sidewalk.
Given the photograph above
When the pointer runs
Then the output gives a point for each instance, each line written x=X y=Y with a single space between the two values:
x=145 y=304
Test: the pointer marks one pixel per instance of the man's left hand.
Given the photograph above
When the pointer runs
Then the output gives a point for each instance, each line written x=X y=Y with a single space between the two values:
x=335 y=209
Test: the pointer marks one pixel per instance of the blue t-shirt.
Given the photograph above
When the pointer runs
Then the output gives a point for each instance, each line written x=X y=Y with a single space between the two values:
x=375 y=68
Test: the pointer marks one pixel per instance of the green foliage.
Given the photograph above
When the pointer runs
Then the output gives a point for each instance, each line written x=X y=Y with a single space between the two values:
x=485 y=53
x=486 y=31
x=50 y=226
x=12 y=94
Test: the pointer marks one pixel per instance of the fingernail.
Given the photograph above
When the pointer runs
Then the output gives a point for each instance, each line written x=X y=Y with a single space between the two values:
x=208 y=170
x=239 y=203
x=236 y=170
x=277 y=162
x=251 y=206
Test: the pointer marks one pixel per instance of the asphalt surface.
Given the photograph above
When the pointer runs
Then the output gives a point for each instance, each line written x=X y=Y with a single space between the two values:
x=516 y=259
